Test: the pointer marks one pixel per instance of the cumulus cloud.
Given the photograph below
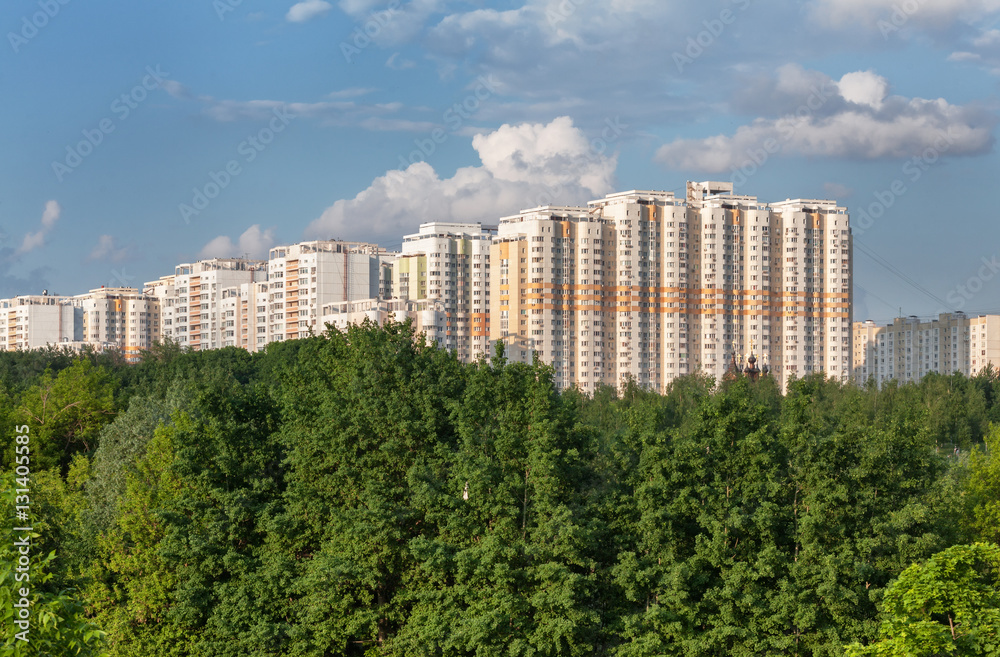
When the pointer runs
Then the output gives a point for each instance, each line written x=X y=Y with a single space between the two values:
x=522 y=166
x=863 y=88
x=307 y=10
x=34 y=240
x=853 y=118
x=254 y=243
x=107 y=250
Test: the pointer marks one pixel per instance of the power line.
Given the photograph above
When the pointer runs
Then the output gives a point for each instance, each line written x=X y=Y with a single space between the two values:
x=895 y=271
x=872 y=294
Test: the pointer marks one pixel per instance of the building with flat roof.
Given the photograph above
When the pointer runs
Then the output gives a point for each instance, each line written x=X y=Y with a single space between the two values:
x=646 y=286
x=192 y=298
x=910 y=348
x=119 y=318
x=445 y=268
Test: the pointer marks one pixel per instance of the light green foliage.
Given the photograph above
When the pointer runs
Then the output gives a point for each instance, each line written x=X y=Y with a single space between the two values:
x=984 y=488
x=949 y=605
x=66 y=411
x=130 y=594
x=58 y=623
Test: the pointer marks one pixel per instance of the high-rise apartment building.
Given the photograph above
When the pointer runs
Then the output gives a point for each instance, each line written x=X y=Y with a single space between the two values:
x=192 y=300
x=645 y=286
x=909 y=348
x=446 y=268
x=119 y=318
x=305 y=277
x=38 y=320
x=343 y=314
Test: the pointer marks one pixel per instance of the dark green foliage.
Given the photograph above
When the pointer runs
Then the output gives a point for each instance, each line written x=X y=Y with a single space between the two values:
x=360 y=493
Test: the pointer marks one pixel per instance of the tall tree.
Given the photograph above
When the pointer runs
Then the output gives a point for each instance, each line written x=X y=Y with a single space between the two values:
x=949 y=605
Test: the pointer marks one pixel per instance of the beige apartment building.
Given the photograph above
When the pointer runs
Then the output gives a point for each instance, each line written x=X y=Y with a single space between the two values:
x=646 y=286
x=445 y=268
x=909 y=348
x=119 y=318
x=343 y=314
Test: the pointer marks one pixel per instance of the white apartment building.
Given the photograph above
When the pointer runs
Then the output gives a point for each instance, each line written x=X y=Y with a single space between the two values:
x=446 y=268
x=645 y=286
x=251 y=315
x=105 y=318
x=192 y=300
x=305 y=277
x=909 y=348
x=37 y=321
x=343 y=314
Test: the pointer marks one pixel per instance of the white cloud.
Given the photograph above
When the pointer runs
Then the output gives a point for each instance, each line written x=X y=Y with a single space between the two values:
x=983 y=48
x=882 y=15
x=34 y=240
x=988 y=39
x=351 y=92
x=837 y=191
x=522 y=166
x=963 y=56
x=106 y=250
x=864 y=88
x=254 y=243
x=341 y=110
x=397 y=64
x=307 y=10
x=851 y=118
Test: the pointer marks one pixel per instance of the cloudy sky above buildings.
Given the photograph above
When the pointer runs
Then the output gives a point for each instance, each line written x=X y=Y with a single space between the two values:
x=139 y=136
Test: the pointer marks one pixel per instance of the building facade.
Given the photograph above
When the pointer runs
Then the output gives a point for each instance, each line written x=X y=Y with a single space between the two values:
x=121 y=317
x=909 y=348
x=118 y=318
x=193 y=300
x=303 y=278
x=445 y=267
x=38 y=321
x=645 y=286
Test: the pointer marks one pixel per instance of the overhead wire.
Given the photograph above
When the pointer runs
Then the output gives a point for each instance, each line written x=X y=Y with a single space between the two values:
x=895 y=271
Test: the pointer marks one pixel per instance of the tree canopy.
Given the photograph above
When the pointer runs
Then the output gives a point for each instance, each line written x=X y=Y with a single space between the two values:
x=363 y=493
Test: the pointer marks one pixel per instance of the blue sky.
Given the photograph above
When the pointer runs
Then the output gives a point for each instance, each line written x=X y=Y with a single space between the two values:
x=139 y=136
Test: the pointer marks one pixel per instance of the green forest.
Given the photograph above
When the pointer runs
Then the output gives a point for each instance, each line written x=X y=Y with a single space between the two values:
x=361 y=493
